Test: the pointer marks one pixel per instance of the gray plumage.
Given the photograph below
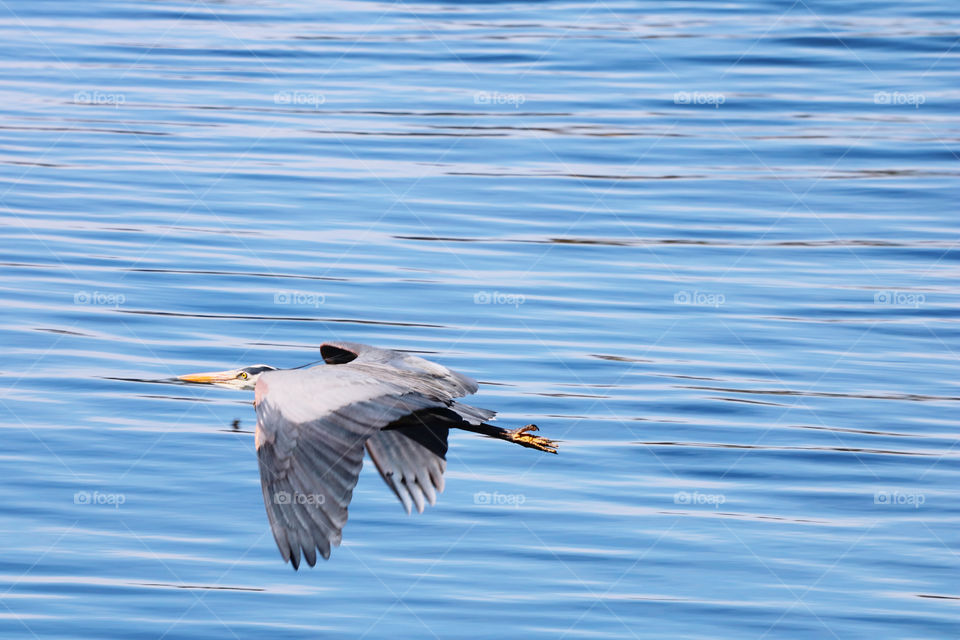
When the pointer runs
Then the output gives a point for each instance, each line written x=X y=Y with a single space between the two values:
x=314 y=424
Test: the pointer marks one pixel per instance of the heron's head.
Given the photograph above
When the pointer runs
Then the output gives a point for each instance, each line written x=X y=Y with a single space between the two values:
x=245 y=378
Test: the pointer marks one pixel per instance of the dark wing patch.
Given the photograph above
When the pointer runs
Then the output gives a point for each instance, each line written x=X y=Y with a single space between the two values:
x=332 y=354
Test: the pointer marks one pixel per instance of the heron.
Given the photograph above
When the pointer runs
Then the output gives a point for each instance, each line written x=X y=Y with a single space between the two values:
x=315 y=422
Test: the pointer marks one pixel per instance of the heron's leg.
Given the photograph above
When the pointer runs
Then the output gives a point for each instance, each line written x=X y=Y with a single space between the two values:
x=521 y=435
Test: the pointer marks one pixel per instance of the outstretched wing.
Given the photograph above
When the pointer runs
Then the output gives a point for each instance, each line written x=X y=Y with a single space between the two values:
x=410 y=454
x=311 y=429
x=407 y=370
x=312 y=425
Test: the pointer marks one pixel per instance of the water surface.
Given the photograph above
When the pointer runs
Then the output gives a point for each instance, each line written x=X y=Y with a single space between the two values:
x=710 y=247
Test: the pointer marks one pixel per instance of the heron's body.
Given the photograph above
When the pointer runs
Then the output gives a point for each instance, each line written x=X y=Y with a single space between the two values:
x=314 y=424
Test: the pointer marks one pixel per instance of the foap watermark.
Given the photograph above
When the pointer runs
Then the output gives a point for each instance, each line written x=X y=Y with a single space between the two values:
x=499 y=99
x=299 y=298
x=498 y=297
x=285 y=497
x=899 y=498
x=498 y=499
x=300 y=98
x=699 y=298
x=99 y=498
x=99 y=98
x=899 y=99
x=899 y=299
x=699 y=499
x=99 y=298
x=700 y=98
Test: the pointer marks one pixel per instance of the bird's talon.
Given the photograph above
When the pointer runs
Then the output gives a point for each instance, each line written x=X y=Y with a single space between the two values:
x=522 y=437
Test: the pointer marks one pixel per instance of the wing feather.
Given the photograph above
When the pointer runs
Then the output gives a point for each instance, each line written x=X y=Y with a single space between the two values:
x=410 y=469
x=314 y=424
x=310 y=460
x=412 y=372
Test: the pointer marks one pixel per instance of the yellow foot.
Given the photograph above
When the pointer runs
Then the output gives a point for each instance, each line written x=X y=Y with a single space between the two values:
x=523 y=437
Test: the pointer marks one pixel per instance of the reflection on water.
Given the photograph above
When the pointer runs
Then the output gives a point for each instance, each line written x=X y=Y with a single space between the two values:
x=711 y=248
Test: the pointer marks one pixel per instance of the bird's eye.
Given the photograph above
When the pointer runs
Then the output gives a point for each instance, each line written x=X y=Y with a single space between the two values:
x=243 y=375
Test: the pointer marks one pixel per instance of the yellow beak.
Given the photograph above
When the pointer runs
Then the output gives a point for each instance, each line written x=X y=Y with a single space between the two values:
x=211 y=377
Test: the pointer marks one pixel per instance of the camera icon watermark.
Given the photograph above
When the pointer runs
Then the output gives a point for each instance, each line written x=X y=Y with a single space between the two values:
x=497 y=297
x=699 y=98
x=899 y=299
x=299 y=298
x=498 y=499
x=285 y=497
x=899 y=498
x=899 y=99
x=699 y=298
x=99 y=98
x=98 y=498
x=699 y=499
x=498 y=99
x=99 y=298
x=300 y=98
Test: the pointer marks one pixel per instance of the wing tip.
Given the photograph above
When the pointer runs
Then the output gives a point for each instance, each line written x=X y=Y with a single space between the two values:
x=293 y=557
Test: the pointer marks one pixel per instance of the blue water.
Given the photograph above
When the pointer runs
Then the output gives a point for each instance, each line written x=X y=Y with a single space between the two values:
x=712 y=247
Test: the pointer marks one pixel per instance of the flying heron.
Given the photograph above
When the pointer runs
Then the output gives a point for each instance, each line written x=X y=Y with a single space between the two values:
x=314 y=423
